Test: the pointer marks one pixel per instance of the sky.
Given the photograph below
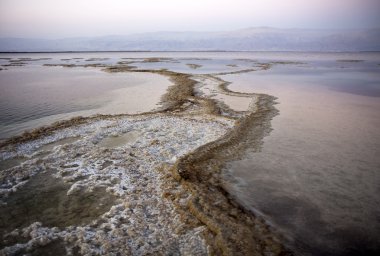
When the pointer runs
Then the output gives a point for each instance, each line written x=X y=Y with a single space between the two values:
x=82 y=18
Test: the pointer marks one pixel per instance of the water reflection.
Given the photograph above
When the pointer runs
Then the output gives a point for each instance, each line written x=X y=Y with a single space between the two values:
x=33 y=96
x=317 y=177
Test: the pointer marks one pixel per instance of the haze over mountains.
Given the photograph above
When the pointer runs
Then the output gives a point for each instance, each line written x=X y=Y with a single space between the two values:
x=250 y=39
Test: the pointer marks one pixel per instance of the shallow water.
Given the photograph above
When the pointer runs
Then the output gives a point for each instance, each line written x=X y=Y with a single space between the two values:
x=35 y=95
x=44 y=199
x=9 y=163
x=118 y=141
x=317 y=176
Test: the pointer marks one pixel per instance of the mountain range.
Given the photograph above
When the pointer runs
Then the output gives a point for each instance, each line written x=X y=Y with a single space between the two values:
x=250 y=39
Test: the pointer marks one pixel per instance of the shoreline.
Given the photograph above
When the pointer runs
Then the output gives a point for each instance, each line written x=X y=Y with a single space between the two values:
x=229 y=228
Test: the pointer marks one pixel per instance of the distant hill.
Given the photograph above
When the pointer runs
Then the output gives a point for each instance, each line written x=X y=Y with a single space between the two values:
x=250 y=39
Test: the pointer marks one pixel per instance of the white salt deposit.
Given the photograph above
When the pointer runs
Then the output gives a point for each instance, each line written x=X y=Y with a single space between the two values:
x=142 y=221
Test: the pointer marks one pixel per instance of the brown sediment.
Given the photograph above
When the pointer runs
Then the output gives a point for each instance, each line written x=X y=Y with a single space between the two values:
x=43 y=59
x=235 y=72
x=124 y=62
x=92 y=65
x=28 y=59
x=352 y=61
x=155 y=59
x=265 y=66
x=288 y=62
x=181 y=91
x=118 y=68
x=231 y=230
x=14 y=64
x=223 y=87
x=248 y=60
x=97 y=59
x=132 y=58
x=269 y=65
x=194 y=66
x=61 y=65
x=19 y=60
x=260 y=66
x=152 y=60
x=44 y=131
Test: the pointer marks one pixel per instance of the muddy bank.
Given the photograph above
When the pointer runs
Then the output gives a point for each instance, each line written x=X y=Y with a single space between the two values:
x=233 y=230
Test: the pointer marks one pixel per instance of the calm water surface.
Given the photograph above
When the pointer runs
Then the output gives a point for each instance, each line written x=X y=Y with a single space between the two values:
x=35 y=95
x=317 y=175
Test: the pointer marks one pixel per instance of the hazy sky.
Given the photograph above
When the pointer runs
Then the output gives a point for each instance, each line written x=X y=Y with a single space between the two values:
x=67 y=18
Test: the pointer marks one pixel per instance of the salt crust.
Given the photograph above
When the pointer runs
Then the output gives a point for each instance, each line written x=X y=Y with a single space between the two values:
x=142 y=221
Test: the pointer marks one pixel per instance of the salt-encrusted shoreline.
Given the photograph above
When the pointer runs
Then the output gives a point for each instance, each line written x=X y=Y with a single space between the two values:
x=141 y=213
x=164 y=184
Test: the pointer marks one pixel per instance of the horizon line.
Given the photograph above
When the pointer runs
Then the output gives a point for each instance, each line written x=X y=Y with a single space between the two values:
x=194 y=31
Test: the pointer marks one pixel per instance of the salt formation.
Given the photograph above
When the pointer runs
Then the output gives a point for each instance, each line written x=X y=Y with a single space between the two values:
x=142 y=220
